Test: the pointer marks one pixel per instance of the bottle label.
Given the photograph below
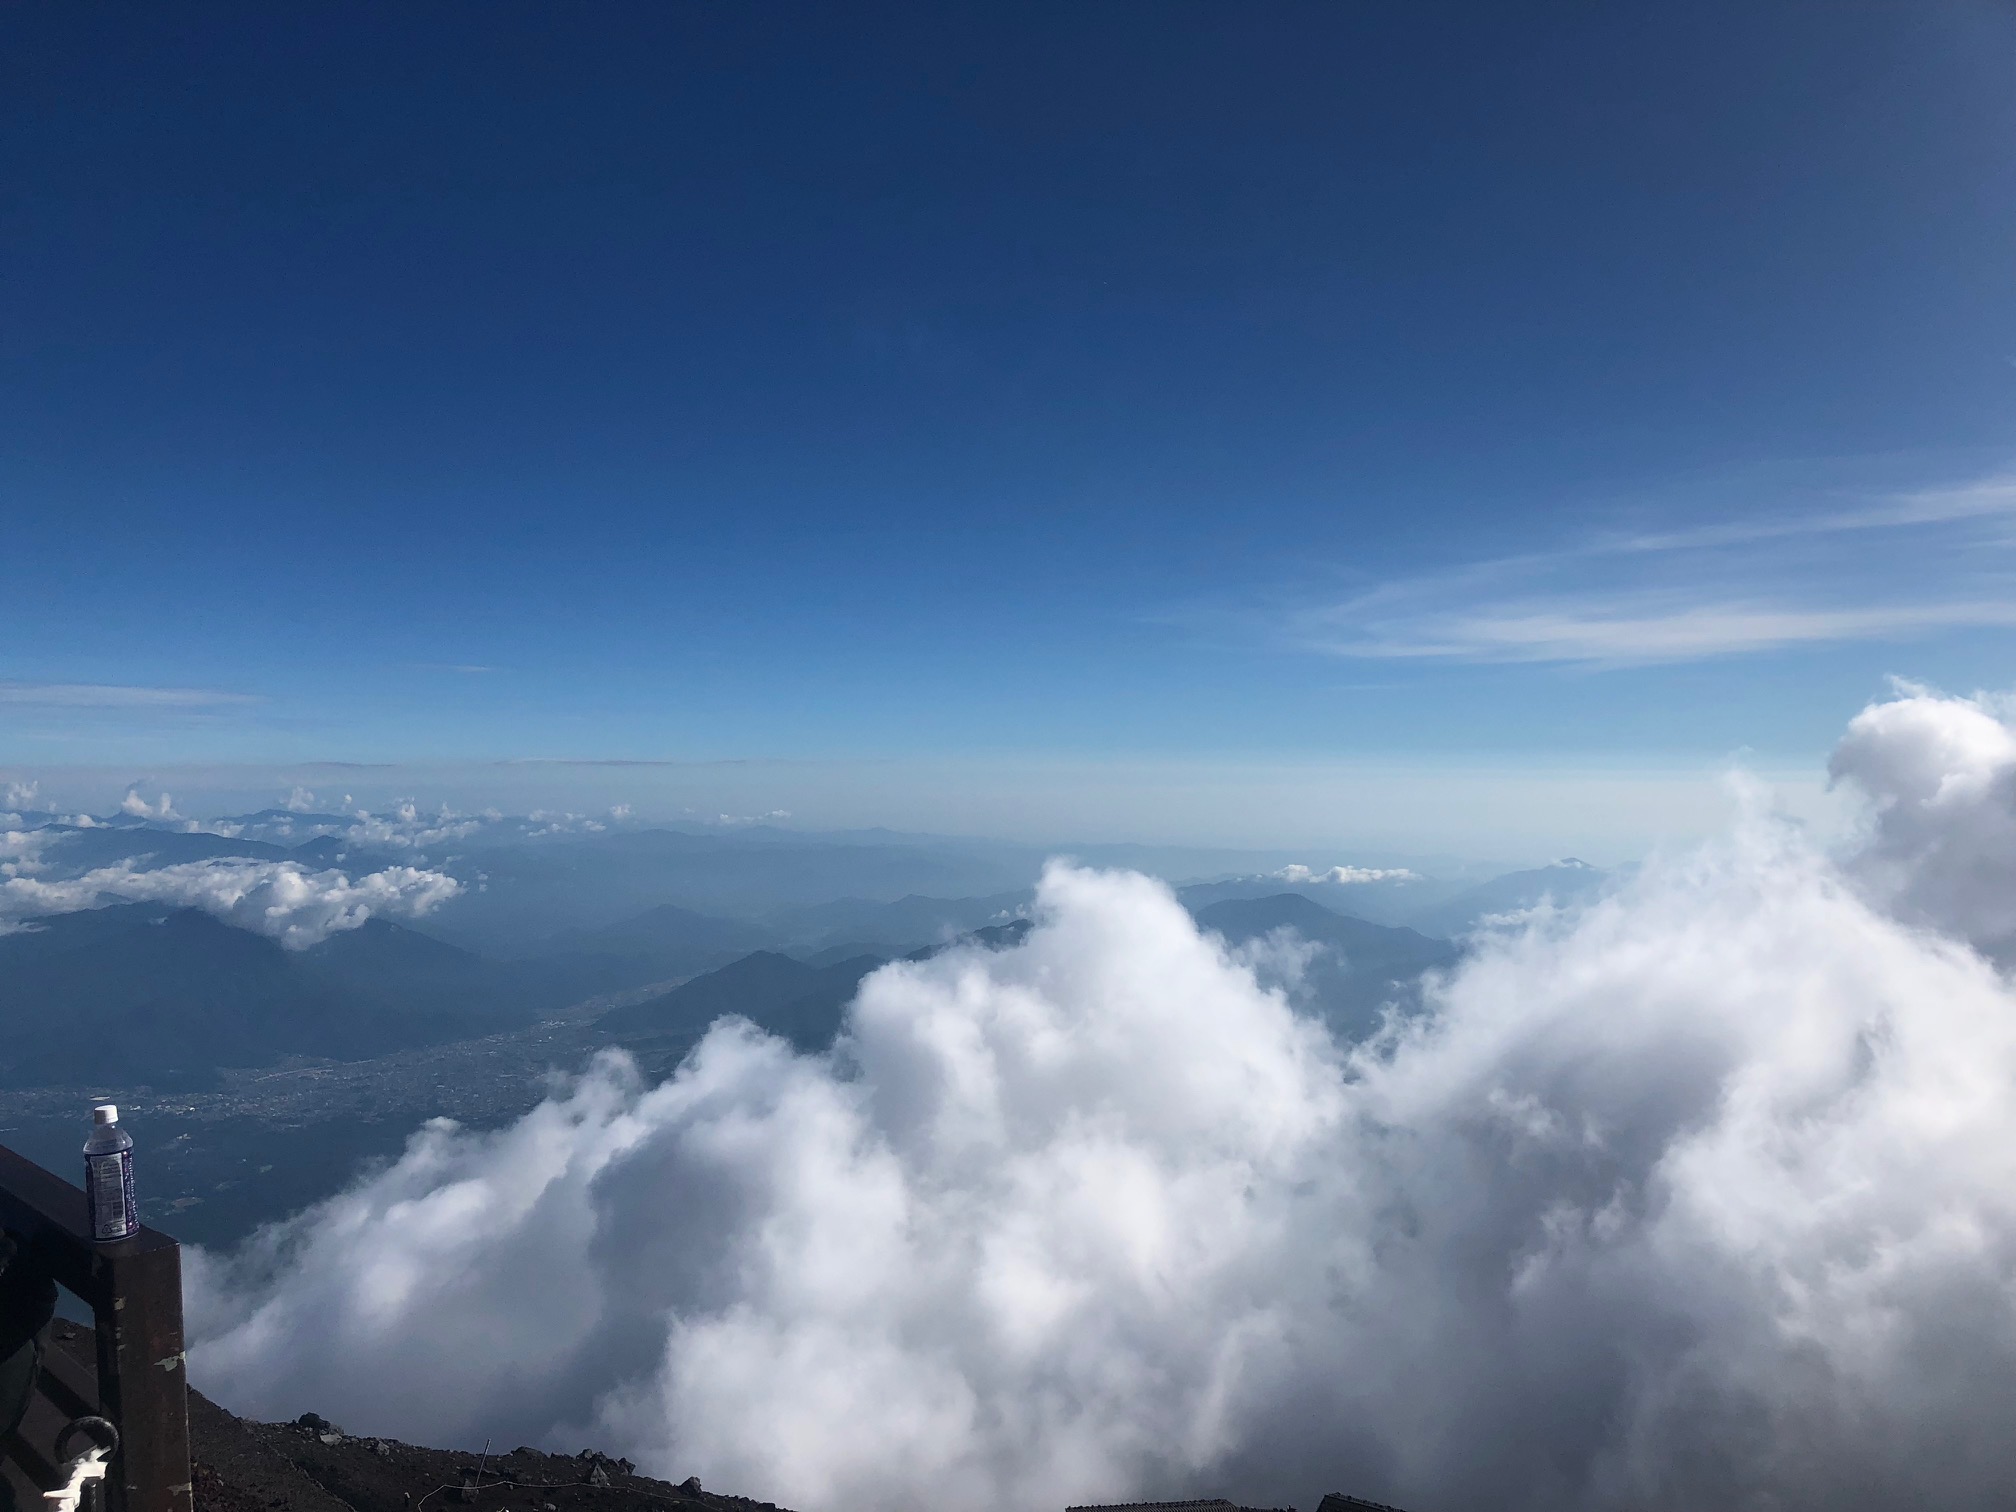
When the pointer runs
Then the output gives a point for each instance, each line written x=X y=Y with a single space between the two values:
x=108 y=1182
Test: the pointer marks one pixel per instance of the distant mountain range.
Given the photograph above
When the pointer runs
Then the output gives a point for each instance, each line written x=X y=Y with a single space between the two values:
x=802 y=1003
x=1432 y=906
x=659 y=943
x=777 y=924
x=903 y=923
x=1566 y=883
x=805 y=1001
x=140 y=994
x=1360 y=968
x=529 y=892
x=102 y=845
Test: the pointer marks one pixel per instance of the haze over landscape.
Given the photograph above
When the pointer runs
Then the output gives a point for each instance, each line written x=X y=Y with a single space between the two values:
x=994 y=757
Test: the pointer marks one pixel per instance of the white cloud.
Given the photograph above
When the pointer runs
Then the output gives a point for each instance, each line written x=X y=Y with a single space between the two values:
x=21 y=796
x=407 y=828
x=112 y=696
x=1940 y=777
x=139 y=808
x=1704 y=1195
x=300 y=801
x=1347 y=876
x=1614 y=632
x=282 y=899
x=1754 y=583
x=21 y=851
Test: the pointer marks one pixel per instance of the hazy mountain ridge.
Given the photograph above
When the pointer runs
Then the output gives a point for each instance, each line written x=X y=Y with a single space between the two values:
x=559 y=899
x=145 y=993
x=787 y=997
x=1358 y=968
x=1566 y=883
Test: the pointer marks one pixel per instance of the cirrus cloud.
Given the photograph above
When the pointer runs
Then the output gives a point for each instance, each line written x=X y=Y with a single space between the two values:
x=1765 y=580
x=117 y=696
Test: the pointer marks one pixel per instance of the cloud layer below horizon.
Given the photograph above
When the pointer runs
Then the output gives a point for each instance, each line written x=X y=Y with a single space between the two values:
x=1703 y=1195
x=297 y=905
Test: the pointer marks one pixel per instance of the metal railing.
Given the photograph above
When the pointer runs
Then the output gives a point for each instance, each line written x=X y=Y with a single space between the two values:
x=134 y=1290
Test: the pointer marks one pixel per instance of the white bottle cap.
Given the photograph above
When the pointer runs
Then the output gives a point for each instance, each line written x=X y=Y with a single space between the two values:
x=105 y=1113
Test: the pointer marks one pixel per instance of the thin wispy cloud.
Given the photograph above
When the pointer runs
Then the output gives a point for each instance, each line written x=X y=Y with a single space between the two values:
x=1618 y=632
x=635 y=761
x=1894 y=568
x=117 y=696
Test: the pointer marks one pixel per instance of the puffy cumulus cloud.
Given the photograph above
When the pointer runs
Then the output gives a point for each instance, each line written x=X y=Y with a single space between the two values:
x=139 y=808
x=1702 y=1195
x=299 y=801
x=406 y=827
x=21 y=850
x=1939 y=774
x=1346 y=875
x=282 y=899
x=21 y=797
x=542 y=823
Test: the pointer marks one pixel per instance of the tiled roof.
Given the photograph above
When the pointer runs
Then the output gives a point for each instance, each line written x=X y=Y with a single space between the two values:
x=1337 y=1501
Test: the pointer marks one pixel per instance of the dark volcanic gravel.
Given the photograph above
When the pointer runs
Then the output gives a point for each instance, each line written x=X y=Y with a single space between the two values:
x=253 y=1467
x=242 y=1466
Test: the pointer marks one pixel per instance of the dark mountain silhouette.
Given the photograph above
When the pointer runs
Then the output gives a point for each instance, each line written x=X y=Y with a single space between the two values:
x=88 y=849
x=140 y=993
x=846 y=949
x=787 y=997
x=805 y=1001
x=910 y=921
x=1361 y=967
x=326 y=851
x=529 y=892
x=1389 y=901
x=993 y=936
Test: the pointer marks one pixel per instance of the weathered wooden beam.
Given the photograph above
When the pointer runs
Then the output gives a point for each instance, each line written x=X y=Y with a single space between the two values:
x=134 y=1289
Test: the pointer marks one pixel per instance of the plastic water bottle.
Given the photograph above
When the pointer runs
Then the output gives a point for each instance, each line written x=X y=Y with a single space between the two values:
x=108 y=1177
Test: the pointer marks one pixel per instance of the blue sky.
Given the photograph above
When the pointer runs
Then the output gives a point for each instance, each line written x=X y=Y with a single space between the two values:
x=1010 y=389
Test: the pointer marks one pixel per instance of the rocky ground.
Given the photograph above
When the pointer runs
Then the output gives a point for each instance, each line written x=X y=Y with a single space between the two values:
x=313 y=1466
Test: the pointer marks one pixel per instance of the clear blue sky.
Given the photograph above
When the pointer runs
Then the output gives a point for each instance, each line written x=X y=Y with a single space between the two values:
x=1556 y=385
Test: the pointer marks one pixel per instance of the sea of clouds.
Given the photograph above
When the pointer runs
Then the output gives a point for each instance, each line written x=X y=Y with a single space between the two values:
x=1702 y=1195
